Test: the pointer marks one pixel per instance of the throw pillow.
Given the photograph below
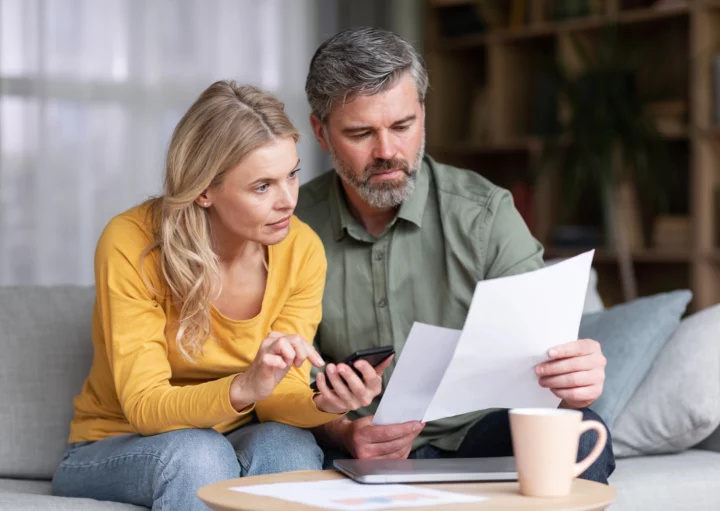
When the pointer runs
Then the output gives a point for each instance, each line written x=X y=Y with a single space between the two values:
x=678 y=403
x=632 y=335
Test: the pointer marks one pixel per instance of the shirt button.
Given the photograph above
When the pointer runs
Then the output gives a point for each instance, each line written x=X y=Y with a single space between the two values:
x=382 y=303
x=379 y=256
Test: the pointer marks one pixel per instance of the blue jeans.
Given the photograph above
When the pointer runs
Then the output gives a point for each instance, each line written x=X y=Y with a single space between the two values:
x=164 y=471
x=490 y=437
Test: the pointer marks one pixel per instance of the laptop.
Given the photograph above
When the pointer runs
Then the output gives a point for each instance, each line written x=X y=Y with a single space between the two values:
x=429 y=470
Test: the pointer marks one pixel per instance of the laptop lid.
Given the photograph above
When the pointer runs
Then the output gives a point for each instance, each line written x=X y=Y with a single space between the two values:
x=429 y=470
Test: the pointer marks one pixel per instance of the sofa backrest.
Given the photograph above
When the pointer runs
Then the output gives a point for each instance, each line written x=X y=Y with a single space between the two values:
x=45 y=338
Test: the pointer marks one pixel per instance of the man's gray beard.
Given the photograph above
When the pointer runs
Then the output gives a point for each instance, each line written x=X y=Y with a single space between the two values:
x=385 y=194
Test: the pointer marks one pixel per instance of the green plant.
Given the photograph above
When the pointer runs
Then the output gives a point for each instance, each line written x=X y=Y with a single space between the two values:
x=606 y=137
x=608 y=143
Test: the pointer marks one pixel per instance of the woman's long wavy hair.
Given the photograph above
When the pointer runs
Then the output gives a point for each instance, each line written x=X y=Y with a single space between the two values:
x=225 y=124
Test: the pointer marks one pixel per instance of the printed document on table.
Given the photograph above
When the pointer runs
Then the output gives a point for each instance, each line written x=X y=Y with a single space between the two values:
x=347 y=495
x=511 y=324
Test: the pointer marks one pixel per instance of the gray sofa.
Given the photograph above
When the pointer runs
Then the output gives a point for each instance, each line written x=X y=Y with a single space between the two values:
x=46 y=353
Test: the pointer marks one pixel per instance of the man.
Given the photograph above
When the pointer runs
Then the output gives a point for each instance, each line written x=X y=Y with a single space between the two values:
x=407 y=239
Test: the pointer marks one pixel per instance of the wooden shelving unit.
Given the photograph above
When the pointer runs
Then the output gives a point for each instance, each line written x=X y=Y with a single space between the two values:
x=506 y=63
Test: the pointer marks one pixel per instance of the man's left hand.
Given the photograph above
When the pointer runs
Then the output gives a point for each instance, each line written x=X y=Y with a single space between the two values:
x=575 y=373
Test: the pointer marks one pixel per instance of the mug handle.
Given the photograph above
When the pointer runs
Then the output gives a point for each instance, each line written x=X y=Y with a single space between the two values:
x=582 y=466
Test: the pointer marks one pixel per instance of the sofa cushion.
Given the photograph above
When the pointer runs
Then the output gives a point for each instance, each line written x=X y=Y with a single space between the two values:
x=47 y=350
x=25 y=486
x=688 y=480
x=21 y=500
x=678 y=403
x=631 y=335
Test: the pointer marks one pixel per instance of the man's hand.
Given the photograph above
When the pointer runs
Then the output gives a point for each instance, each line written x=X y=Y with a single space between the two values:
x=575 y=373
x=365 y=441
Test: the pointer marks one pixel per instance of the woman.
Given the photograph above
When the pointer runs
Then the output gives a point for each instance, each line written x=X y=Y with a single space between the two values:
x=206 y=299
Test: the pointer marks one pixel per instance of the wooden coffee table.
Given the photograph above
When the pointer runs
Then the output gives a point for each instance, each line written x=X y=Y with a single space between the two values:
x=585 y=496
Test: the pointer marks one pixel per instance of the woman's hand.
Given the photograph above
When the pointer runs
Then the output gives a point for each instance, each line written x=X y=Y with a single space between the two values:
x=277 y=354
x=349 y=392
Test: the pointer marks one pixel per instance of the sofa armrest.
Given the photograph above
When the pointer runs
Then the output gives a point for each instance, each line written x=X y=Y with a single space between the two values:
x=711 y=443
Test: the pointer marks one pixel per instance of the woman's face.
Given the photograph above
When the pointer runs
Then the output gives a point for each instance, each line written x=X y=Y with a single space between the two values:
x=257 y=198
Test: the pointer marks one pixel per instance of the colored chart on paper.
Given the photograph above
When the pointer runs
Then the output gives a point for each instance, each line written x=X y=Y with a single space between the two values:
x=347 y=495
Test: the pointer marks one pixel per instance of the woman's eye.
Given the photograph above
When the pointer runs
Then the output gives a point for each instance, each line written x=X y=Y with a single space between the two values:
x=294 y=173
x=262 y=188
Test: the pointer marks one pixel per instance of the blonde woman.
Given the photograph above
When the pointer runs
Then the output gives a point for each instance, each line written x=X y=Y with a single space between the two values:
x=206 y=299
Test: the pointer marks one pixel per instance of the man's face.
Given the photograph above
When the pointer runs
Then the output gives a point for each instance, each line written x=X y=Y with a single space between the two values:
x=376 y=143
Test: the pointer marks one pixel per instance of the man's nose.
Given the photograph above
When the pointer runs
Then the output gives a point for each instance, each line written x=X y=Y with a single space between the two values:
x=384 y=148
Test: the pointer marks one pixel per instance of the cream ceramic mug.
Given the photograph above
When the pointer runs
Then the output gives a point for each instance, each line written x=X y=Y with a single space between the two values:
x=545 y=444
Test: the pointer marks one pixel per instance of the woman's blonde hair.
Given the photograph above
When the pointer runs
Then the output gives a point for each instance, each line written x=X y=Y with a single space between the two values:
x=225 y=124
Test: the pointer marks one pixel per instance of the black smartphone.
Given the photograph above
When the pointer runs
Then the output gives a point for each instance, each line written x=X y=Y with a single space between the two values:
x=374 y=356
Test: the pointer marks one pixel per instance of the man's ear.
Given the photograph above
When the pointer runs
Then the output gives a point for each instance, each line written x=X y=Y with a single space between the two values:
x=319 y=131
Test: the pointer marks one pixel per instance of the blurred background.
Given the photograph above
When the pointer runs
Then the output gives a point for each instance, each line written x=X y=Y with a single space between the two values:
x=601 y=116
x=90 y=91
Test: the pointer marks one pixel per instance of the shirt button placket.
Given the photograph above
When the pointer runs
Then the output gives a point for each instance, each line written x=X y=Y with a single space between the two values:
x=380 y=269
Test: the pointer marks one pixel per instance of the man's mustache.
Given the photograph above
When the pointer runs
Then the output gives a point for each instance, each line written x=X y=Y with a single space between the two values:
x=384 y=165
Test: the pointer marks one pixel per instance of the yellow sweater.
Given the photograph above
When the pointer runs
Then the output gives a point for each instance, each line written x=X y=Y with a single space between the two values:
x=140 y=383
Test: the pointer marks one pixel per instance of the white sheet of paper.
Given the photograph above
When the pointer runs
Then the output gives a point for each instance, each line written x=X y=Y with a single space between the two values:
x=414 y=381
x=511 y=324
x=347 y=495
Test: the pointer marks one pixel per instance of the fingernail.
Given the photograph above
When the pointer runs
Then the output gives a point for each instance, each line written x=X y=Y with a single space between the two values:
x=552 y=353
x=331 y=369
x=539 y=370
x=417 y=427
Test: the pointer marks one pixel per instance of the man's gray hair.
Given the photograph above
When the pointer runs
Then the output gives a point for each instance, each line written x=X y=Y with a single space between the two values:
x=361 y=61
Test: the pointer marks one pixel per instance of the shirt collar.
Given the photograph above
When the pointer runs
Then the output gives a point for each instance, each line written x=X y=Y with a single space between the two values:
x=343 y=222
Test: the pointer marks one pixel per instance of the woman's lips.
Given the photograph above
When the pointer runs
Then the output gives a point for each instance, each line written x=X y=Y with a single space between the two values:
x=281 y=224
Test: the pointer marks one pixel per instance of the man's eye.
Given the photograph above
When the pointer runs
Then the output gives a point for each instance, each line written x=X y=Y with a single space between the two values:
x=361 y=136
x=294 y=173
x=262 y=188
x=402 y=128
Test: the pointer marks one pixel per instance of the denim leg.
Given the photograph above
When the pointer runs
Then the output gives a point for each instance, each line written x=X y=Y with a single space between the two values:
x=331 y=455
x=427 y=452
x=272 y=447
x=488 y=438
x=604 y=466
x=162 y=472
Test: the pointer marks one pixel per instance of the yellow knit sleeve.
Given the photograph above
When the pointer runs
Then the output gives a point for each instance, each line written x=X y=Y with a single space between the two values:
x=133 y=326
x=292 y=400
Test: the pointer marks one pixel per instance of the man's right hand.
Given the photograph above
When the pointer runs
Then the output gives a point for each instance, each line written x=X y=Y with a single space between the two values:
x=365 y=441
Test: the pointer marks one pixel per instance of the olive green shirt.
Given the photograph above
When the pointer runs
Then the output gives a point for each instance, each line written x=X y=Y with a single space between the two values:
x=456 y=229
